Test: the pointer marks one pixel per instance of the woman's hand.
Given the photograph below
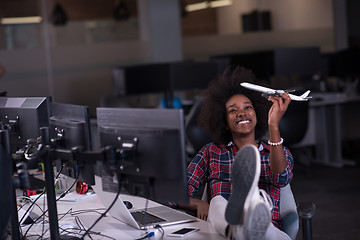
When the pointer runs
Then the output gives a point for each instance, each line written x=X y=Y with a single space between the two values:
x=202 y=208
x=278 y=108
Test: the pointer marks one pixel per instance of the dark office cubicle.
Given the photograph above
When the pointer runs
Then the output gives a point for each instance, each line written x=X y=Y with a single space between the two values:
x=163 y=78
x=261 y=63
x=279 y=67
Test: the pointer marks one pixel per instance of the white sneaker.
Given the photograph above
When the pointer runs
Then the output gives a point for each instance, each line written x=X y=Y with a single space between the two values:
x=257 y=218
x=246 y=207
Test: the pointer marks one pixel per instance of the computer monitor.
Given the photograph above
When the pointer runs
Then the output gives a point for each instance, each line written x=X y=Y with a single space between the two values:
x=152 y=140
x=23 y=117
x=69 y=127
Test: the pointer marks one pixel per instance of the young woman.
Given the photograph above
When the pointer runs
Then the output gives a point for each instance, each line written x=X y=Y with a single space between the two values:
x=238 y=117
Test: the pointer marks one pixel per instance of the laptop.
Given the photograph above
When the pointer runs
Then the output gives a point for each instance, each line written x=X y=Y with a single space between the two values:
x=138 y=217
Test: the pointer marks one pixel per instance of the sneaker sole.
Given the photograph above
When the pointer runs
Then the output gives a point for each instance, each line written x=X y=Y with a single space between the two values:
x=257 y=222
x=244 y=169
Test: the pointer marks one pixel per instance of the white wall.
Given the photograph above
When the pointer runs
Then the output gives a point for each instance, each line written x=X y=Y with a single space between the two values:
x=286 y=14
x=202 y=47
x=80 y=74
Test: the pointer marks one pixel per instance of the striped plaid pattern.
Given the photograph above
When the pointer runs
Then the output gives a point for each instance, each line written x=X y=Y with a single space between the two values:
x=213 y=164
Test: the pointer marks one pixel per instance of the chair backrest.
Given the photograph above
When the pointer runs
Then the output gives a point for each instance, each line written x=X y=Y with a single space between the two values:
x=294 y=123
x=288 y=212
x=196 y=136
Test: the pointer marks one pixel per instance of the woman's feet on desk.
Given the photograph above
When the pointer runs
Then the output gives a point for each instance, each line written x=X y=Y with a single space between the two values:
x=248 y=210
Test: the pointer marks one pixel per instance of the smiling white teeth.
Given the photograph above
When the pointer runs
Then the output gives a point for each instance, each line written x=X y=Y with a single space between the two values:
x=243 y=122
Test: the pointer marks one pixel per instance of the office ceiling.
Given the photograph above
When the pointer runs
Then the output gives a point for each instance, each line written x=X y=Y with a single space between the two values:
x=76 y=10
x=194 y=23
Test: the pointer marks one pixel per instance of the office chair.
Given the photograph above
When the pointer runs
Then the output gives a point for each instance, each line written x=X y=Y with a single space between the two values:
x=196 y=137
x=288 y=212
x=293 y=127
x=294 y=123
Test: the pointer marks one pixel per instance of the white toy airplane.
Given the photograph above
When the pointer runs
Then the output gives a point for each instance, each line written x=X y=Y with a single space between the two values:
x=272 y=92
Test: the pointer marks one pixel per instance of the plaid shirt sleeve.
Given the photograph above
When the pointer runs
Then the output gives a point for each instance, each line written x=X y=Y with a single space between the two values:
x=281 y=179
x=197 y=171
x=212 y=164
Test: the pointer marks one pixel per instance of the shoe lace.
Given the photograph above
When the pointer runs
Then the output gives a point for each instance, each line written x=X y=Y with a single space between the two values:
x=266 y=198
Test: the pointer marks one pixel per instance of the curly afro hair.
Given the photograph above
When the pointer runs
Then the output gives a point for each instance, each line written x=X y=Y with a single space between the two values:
x=212 y=116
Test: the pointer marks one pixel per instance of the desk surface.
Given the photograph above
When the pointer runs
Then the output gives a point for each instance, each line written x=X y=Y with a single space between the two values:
x=323 y=99
x=81 y=211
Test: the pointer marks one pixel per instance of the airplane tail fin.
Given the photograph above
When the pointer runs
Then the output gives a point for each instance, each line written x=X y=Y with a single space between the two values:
x=305 y=94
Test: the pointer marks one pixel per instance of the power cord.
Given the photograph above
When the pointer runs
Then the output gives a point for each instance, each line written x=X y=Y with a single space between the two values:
x=108 y=209
x=61 y=196
x=161 y=230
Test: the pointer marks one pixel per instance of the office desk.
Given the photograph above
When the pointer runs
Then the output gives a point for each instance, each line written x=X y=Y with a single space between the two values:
x=85 y=209
x=333 y=118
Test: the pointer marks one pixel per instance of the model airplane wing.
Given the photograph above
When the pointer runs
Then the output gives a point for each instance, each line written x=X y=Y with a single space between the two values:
x=272 y=92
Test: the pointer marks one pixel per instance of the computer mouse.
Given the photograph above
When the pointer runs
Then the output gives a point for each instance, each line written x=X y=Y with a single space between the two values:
x=128 y=204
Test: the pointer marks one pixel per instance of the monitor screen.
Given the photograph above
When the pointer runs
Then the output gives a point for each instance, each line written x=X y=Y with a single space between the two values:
x=153 y=141
x=69 y=126
x=23 y=117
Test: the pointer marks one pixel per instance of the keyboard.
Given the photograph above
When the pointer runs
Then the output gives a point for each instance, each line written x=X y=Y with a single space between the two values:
x=145 y=218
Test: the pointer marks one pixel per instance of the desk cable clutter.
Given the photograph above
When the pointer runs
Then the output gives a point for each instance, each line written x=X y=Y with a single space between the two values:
x=44 y=152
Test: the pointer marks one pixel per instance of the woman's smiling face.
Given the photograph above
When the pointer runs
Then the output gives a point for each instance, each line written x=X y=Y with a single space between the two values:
x=240 y=115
